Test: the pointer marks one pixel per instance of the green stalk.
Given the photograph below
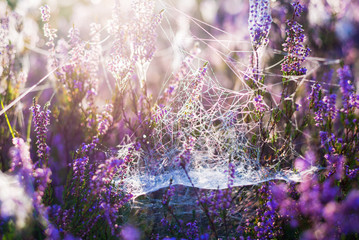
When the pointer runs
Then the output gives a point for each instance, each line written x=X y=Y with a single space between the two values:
x=29 y=128
x=7 y=119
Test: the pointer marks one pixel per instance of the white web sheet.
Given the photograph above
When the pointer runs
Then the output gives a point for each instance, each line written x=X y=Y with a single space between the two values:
x=215 y=117
x=216 y=120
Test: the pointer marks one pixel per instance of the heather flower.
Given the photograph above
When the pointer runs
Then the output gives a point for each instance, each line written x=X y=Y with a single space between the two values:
x=4 y=35
x=195 y=84
x=328 y=76
x=336 y=165
x=259 y=104
x=74 y=36
x=35 y=180
x=327 y=140
x=192 y=230
x=49 y=32
x=144 y=34
x=42 y=176
x=345 y=78
x=279 y=191
x=45 y=13
x=79 y=167
x=41 y=121
x=349 y=98
x=298 y=8
x=330 y=211
x=105 y=174
x=315 y=93
x=159 y=113
x=198 y=82
x=324 y=106
x=231 y=174
x=80 y=73
x=169 y=193
x=259 y=22
x=105 y=119
x=184 y=157
x=264 y=226
x=340 y=218
x=99 y=191
x=134 y=45
x=351 y=173
x=318 y=202
x=329 y=102
x=329 y=191
x=21 y=163
x=294 y=47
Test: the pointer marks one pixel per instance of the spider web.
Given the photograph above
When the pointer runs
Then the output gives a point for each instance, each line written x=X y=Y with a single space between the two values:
x=215 y=119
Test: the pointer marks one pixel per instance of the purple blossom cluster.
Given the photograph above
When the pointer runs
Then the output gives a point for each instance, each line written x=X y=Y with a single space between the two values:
x=196 y=85
x=294 y=45
x=167 y=196
x=21 y=162
x=93 y=187
x=41 y=121
x=134 y=43
x=259 y=104
x=316 y=203
x=184 y=157
x=105 y=119
x=82 y=69
x=49 y=32
x=259 y=22
x=217 y=202
x=35 y=180
x=266 y=216
x=324 y=106
x=350 y=99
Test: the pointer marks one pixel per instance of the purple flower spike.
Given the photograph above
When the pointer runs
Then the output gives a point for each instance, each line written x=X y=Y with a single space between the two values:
x=45 y=13
x=349 y=98
x=105 y=119
x=259 y=22
x=259 y=104
x=41 y=120
x=293 y=45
